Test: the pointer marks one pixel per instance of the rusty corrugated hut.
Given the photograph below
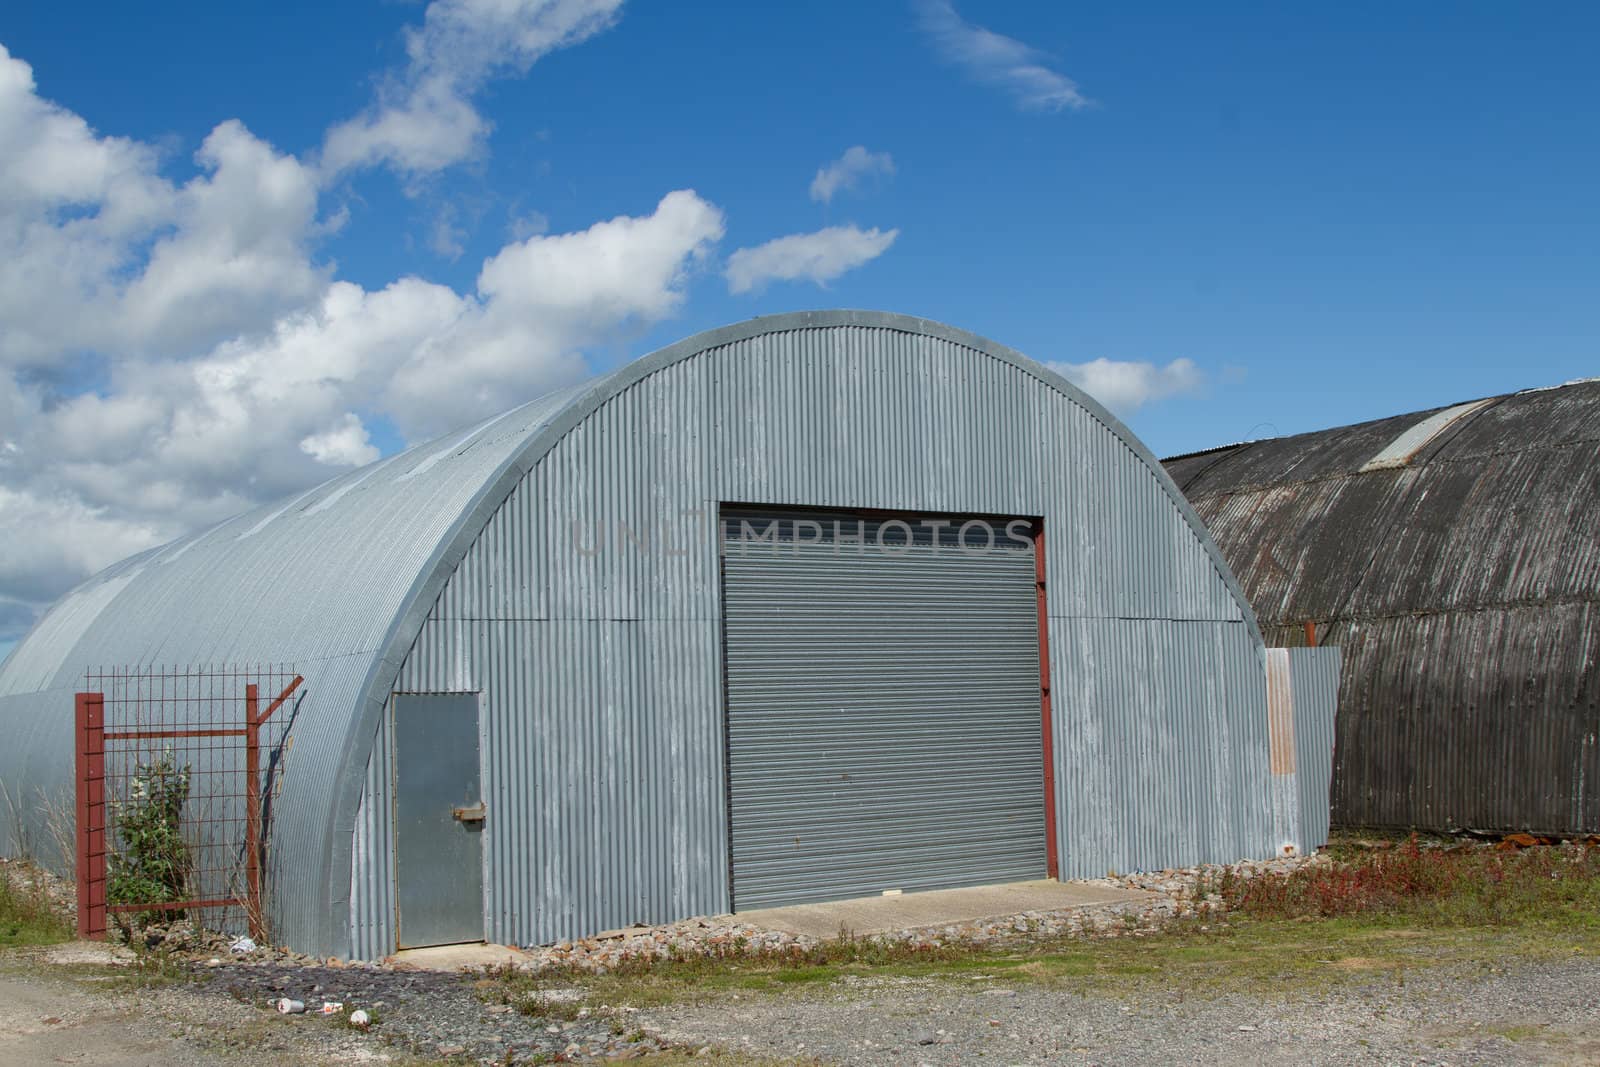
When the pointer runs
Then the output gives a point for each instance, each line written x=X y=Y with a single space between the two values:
x=1455 y=555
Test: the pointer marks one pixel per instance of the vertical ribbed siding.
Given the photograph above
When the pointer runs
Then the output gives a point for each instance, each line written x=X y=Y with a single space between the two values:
x=602 y=670
x=1315 y=674
x=372 y=907
x=1161 y=743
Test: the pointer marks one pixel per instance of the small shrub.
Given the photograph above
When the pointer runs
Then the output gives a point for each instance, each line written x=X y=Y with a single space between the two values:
x=152 y=864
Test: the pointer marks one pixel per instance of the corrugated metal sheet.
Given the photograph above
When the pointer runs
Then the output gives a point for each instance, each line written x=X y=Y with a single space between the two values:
x=1160 y=741
x=319 y=589
x=1314 y=676
x=884 y=719
x=1462 y=588
x=372 y=906
x=601 y=671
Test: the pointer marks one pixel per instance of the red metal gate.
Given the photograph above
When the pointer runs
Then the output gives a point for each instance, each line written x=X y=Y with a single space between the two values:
x=173 y=800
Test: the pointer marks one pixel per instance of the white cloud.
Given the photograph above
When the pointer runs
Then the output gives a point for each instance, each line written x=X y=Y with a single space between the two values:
x=237 y=254
x=1125 y=386
x=176 y=445
x=346 y=444
x=528 y=224
x=817 y=257
x=229 y=366
x=541 y=300
x=424 y=119
x=848 y=170
x=80 y=540
x=998 y=60
x=99 y=252
x=446 y=238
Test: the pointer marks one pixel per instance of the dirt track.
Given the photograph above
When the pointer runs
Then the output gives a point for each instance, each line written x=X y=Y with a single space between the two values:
x=1522 y=1013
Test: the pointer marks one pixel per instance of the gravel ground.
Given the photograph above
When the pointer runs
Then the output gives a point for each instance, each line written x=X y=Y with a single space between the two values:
x=428 y=1012
x=1530 y=1013
x=1525 y=1013
x=50 y=1012
x=1522 y=1012
x=47 y=1016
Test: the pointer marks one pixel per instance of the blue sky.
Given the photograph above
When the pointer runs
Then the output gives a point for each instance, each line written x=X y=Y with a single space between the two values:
x=1262 y=218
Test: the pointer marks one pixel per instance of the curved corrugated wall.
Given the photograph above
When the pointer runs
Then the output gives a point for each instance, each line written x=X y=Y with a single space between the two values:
x=444 y=567
x=316 y=582
x=1453 y=555
x=601 y=673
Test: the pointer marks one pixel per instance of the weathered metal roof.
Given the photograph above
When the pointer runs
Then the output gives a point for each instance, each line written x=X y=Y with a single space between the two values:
x=1453 y=554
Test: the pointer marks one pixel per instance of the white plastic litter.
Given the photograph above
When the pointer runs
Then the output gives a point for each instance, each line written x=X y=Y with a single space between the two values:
x=242 y=945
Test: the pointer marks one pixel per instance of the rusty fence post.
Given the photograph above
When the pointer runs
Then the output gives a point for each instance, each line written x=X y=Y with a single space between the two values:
x=252 y=813
x=91 y=795
x=255 y=817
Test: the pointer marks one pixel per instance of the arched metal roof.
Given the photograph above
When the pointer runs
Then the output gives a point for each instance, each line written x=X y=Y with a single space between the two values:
x=339 y=579
x=1453 y=554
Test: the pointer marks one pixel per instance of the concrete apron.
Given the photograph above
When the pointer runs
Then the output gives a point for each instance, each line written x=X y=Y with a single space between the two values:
x=861 y=916
x=938 y=907
x=472 y=956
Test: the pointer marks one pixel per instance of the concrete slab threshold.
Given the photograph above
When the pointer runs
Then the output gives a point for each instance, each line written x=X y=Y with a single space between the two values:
x=473 y=956
x=863 y=915
x=938 y=907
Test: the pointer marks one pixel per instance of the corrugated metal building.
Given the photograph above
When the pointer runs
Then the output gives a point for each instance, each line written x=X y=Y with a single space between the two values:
x=813 y=606
x=1454 y=555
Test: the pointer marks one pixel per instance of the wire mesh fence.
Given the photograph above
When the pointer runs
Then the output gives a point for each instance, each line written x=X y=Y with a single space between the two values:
x=178 y=771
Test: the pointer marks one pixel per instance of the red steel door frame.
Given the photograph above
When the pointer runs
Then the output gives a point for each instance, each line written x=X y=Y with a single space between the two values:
x=1052 y=859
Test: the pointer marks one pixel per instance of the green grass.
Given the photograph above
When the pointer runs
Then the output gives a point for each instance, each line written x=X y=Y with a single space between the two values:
x=1260 y=956
x=150 y=970
x=1515 y=1032
x=26 y=917
x=146 y=970
x=1370 y=914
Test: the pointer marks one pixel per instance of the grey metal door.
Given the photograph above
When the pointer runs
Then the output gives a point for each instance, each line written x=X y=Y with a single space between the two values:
x=883 y=706
x=439 y=819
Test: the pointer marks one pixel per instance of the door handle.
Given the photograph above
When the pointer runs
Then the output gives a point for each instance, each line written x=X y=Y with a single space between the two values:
x=470 y=813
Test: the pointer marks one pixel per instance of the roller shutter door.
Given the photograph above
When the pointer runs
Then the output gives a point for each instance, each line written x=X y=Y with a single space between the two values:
x=883 y=705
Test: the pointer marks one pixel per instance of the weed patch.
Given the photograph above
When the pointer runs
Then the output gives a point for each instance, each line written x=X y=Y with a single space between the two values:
x=26 y=916
x=1461 y=886
x=151 y=970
